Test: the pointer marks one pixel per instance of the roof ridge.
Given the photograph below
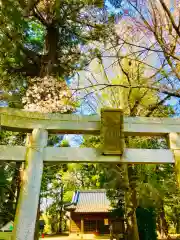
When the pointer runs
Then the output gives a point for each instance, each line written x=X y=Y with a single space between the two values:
x=92 y=190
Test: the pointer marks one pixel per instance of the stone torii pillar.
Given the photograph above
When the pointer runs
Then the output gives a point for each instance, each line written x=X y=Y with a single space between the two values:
x=174 y=143
x=25 y=219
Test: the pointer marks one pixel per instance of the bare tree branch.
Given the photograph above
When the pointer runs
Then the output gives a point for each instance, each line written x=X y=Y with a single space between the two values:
x=155 y=106
x=177 y=29
x=39 y=16
x=160 y=89
x=158 y=28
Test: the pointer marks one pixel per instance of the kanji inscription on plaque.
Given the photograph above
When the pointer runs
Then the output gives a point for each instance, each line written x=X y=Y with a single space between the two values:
x=112 y=131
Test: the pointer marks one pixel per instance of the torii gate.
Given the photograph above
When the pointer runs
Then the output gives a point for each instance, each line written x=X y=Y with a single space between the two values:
x=112 y=127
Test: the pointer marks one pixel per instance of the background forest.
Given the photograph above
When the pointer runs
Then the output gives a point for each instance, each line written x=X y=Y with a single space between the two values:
x=77 y=56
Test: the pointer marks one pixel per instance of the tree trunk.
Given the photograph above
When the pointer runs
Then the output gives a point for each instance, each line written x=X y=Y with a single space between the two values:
x=133 y=232
x=20 y=179
x=49 y=60
x=132 y=185
x=176 y=220
x=60 y=220
x=163 y=225
x=177 y=224
x=61 y=210
x=158 y=224
x=15 y=185
x=53 y=227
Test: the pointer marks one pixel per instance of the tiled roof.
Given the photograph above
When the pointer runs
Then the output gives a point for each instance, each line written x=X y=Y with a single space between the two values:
x=90 y=201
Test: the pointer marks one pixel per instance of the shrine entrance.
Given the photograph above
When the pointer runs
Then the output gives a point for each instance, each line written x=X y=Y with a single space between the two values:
x=112 y=127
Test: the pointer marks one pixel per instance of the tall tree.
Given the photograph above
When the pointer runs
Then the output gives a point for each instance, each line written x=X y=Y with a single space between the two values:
x=49 y=37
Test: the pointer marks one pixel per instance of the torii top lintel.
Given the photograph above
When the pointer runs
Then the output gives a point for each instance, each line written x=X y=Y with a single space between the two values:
x=22 y=121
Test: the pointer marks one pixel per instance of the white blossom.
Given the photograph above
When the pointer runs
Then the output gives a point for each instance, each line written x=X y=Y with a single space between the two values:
x=48 y=95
